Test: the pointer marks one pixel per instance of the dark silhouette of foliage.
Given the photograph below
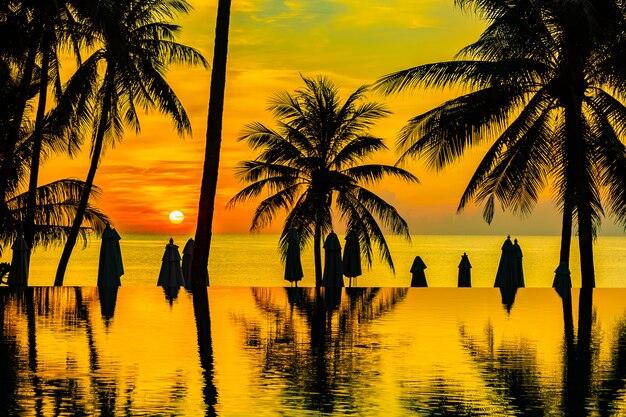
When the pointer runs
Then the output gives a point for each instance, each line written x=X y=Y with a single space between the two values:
x=314 y=159
x=543 y=85
x=136 y=44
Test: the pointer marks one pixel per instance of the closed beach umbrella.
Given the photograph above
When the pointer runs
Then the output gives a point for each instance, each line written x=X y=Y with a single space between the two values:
x=418 y=276
x=518 y=264
x=293 y=264
x=187 y=258
x=465 y=272
x=352 y=256
x=187 y=261
x=110 y=266
x=18 y=274
x=171 y=274
x=562 y=279
x=508 y=268
x=333 y=268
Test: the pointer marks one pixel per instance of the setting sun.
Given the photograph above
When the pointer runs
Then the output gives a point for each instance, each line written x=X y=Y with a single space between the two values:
x=177 y=217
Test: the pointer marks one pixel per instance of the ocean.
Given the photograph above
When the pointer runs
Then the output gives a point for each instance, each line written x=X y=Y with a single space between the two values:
x=253 y=260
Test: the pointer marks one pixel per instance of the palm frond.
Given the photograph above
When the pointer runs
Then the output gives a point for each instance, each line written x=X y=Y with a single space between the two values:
x=443 y=134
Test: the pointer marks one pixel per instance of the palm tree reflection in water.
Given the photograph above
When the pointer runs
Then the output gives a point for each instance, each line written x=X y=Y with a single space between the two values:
x=514 y=384
x=205 y=349
x=320 y=346
x=31 y=384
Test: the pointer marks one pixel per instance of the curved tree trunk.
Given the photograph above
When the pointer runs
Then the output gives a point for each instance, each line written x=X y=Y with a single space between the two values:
x=93 y=167
x=31 y=200
x=204 y=228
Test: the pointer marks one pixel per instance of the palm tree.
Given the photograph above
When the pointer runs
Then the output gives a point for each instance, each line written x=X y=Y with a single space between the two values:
x=206 y=205
x=55 y=203
x=61 y=28
x=22 y=28
x=137 y=44
x=544 y=84
x=313 y=159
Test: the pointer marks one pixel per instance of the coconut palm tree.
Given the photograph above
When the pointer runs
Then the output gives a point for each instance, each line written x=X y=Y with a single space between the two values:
x=22 y=28
x=314 y=158
x=62 y=27
x=55 y=203
x=137 y=43
x=206 y=205
x=543 y=85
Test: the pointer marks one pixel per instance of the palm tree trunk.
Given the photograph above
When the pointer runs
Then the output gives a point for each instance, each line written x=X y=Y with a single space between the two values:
x=566 y=233
x=93 y=167
x=317 y=252
x=585 y=245
x=580 y=182
x=31 y=200
x=204 y=228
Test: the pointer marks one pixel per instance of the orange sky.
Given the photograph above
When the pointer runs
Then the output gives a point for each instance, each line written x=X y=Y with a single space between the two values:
x=271 y=42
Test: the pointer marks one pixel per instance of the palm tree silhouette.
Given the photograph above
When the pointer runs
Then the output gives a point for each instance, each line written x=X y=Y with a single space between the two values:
x=137 y=44
x=23 y=30
x=544 y=81
x=56 y=203
x=314 y=157
x=61 y=27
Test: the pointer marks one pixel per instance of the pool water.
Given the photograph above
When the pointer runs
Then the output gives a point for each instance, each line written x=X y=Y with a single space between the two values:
x=297 y=351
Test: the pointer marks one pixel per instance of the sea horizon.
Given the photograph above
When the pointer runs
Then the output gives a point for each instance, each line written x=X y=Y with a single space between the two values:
x=254 y=260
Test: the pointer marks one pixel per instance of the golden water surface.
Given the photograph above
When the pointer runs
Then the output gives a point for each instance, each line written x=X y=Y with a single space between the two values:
x=291 y=352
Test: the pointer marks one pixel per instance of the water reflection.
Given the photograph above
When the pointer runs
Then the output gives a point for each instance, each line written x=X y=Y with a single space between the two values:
x=78 y=378
x=205 y=349
x=319 y=348
x=295 y=351
x=511 y=372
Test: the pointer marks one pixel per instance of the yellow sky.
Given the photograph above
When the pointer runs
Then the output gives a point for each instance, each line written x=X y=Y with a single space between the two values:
x=271 y=42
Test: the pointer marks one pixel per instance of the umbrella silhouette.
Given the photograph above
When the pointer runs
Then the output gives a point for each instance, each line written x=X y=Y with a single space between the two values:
x=417 y=270
x=333 y=268
x=465 y=272
x=509 y=266
x=110 y=266
x=171 y=274
x=293 y=265
x=562 y=279
x=18 y=274
x=187 y=260
x=518 y=264
x=352 y=256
